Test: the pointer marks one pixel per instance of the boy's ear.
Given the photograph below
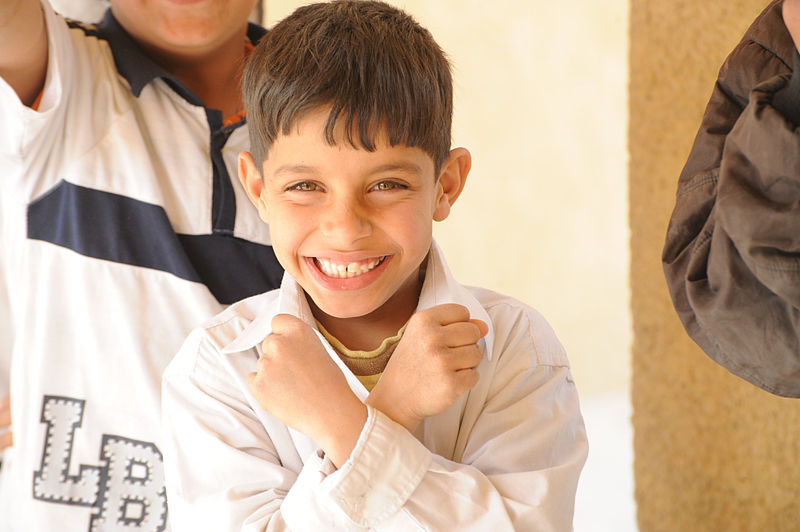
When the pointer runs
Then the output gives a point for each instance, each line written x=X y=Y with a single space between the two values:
x=253 y=184
x=452 y=178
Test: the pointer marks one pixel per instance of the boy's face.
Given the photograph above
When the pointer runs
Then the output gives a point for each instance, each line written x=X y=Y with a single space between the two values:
x=351 y=226
x=183 y=27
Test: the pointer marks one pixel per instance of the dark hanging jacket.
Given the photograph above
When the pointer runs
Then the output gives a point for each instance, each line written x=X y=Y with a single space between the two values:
x=732 y=251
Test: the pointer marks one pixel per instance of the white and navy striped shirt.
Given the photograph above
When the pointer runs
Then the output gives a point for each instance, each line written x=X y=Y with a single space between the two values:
x=122 y=226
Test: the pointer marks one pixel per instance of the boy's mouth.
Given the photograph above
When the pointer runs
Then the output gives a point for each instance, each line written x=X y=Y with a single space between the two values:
x=346 y=270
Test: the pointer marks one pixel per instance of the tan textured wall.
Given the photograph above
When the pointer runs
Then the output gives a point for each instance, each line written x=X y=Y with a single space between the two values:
x=711 y=452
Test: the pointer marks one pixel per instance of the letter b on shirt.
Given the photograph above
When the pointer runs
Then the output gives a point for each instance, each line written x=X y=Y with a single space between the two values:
x=127 y=490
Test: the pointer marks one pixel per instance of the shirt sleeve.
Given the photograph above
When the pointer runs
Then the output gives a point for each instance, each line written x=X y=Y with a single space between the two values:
x=525 y=458
x=211 y=442
x=26 y=130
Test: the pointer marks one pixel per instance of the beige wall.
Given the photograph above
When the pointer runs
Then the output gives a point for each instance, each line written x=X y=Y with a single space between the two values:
x=711 y=451
x=540 y=103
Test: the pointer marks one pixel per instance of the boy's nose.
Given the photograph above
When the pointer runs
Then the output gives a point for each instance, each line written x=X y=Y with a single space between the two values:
x=344 y=222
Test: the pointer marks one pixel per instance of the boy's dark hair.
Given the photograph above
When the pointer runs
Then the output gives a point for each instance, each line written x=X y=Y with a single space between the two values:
x=373 y=64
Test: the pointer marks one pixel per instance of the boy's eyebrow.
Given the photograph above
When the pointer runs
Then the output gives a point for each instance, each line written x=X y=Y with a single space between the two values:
x=388 y=167
x=295 y=169
x=401 y=166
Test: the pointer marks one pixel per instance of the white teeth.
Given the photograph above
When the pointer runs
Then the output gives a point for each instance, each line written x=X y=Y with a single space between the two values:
x=344 y=271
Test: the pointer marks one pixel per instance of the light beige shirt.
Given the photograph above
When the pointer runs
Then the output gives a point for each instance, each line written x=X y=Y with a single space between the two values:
x=368 y=366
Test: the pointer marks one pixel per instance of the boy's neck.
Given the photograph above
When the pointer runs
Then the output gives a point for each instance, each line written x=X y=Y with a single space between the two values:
x=214 y=77
x=366 y=333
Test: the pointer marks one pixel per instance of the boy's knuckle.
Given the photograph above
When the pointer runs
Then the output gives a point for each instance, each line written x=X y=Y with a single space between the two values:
x=425 y=320
x=268 y=342
x=476 y=354
x=456 y=312
x=430 y=346
x=474 y=333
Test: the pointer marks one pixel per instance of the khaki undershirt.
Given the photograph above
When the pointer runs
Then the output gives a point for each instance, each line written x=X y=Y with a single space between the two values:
x=368 y=366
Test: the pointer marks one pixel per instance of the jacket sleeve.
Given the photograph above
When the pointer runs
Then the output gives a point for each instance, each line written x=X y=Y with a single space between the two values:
x=731 y=272
x=222 y=470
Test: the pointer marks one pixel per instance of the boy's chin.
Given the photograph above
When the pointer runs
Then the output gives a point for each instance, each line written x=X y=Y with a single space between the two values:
x=340 y=313
x=342 y=310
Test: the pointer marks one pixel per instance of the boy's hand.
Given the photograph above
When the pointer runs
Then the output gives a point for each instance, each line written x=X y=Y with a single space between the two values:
x=434 y=363
x=298 y=383
x=5 y=422
x=791 y=18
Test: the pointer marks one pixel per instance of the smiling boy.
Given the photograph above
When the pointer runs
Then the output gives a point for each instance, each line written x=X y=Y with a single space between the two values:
x=371 y=391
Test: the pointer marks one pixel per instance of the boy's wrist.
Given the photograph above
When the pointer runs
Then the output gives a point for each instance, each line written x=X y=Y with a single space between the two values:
x=391 y=409
x=341 y=432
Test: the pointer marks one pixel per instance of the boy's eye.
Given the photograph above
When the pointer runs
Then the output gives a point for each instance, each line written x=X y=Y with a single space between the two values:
x=388 y=185
x=304 y=186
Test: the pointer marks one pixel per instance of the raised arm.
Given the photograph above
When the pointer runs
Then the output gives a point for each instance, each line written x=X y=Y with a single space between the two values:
x=23 y=40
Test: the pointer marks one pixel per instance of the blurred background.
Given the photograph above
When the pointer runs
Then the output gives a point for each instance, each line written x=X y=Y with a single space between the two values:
x=541 y=103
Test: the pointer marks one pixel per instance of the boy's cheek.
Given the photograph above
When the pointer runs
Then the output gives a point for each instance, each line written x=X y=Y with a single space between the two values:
x=283 y=257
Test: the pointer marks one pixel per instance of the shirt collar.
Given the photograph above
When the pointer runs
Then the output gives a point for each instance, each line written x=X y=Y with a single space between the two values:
x=137 y=67
x=441 y=287
x=291 y=300
x=438 y=287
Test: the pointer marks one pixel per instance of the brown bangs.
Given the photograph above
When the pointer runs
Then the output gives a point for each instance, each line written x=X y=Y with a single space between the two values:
x=375 y=68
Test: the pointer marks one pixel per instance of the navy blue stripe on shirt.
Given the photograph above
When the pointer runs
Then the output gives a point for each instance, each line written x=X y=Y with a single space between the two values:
x=88 y=29
x=223 y=207
x=124 y=230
